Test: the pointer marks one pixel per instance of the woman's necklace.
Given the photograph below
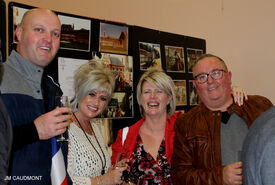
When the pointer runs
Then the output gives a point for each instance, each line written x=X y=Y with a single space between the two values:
x=103 y=166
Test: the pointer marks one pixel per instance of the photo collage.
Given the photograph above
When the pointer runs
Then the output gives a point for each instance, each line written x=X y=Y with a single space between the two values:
x=127 y=50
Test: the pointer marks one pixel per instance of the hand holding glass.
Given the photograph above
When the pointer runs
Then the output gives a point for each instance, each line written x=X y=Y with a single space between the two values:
x=61 y=101
x=122 y=161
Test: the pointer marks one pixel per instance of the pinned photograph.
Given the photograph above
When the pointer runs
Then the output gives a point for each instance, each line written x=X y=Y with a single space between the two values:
x=149 y=55
x=122 y=67
x=75 y=33
x=180 y=91
x=66 y=70
x=113 y=38
x=192 y=56
x=120 y=106
x=174 y=59
x=18 y=13
x=193 y=96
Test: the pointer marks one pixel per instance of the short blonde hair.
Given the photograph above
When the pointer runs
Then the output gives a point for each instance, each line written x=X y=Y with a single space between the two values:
x=159 y=79
x=92 y=76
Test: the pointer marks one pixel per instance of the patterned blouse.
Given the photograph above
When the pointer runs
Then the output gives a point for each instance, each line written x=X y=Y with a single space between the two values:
x=144 y=169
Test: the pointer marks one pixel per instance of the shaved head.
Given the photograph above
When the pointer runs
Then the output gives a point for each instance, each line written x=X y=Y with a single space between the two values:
x=39 y=36
x=34 y=11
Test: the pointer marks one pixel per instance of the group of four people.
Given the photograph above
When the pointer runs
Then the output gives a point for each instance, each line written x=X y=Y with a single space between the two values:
x=201 y=149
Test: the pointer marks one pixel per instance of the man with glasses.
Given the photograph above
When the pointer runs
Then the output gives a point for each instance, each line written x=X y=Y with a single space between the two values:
x=208 y=138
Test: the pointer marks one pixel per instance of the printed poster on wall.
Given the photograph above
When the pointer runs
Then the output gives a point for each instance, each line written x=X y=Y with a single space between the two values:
x=149 y=55
x=113 y=38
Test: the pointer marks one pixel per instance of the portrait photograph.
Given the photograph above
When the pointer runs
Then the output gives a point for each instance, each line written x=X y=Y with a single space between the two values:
x=113 y=38
x=174 y=57
x=75 y=33
x=193 y=96
x=120 y=106
x=149 y=55
x=180 y=91
x=122 y=67
x=192 y=56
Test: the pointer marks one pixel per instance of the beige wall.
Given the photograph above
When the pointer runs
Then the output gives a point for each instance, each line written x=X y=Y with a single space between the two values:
x=242 y=32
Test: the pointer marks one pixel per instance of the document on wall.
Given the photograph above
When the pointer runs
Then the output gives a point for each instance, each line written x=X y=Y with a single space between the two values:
x=66 y=71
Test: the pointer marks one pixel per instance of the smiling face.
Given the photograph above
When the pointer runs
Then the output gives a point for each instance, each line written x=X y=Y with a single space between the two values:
x=93 y=104
x=154 y=100
x=39 y=36
x=215 y=94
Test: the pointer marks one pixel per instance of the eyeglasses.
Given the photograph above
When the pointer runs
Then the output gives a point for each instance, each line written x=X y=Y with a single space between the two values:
x=215 y=75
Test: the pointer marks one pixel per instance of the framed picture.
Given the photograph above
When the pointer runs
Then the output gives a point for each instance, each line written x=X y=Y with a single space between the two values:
x=120 y=106
x=180 y=90
x=149 y=55
x=17 y=13
x=193 y=96
x=192 y=56
x=75 y=33
x=174 y=57
x=113 y=38
x=122 y=67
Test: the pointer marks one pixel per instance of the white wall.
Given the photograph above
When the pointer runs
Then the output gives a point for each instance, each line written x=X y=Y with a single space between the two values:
x=239 y=31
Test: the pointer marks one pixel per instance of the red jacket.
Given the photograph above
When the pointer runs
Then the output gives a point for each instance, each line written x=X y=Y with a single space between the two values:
x=131 y=139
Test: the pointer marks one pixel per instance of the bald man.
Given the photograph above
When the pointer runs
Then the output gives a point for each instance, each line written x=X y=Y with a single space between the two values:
x=29 y=93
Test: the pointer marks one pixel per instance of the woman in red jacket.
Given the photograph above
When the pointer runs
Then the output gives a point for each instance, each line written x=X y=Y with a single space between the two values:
x=149 y=142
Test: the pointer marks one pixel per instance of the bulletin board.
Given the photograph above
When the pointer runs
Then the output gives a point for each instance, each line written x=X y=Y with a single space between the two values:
x=174 y=53
x=129 y=51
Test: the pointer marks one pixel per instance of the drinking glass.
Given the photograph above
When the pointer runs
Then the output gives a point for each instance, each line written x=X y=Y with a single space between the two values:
x=61 y=101
x=122 y=161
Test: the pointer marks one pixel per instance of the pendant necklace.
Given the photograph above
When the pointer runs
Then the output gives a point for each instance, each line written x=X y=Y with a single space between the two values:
x=103 y=166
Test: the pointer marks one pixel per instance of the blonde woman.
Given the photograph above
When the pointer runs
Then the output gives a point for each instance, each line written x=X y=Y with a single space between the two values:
x=88 y=159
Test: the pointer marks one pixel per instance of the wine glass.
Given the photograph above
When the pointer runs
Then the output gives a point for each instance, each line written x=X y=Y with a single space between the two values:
x=61 y=101
x=122 y=161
